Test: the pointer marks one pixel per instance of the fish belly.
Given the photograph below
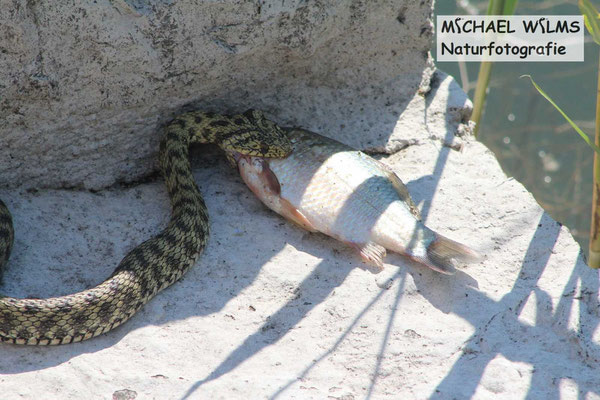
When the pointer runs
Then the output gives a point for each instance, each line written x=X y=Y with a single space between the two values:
x=341 y=193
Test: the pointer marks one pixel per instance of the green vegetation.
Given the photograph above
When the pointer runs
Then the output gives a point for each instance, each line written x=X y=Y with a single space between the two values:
x=592 y=23
x=495 y=7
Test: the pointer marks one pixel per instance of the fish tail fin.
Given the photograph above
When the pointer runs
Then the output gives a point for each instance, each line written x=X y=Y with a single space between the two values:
x=442 y=251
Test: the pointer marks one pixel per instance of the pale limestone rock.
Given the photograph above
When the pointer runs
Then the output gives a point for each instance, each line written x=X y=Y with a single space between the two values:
x=86 y=86
x=271 y=311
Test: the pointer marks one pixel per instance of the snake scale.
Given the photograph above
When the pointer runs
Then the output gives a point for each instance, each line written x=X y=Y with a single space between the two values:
x=156 y=263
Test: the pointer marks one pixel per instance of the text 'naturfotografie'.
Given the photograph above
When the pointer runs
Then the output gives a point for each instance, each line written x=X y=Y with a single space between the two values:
x=509 y=38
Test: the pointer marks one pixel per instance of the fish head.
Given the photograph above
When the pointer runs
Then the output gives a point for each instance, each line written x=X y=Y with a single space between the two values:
x=257 y=174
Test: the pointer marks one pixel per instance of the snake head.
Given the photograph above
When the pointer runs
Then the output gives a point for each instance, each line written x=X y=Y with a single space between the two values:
x=260 y=137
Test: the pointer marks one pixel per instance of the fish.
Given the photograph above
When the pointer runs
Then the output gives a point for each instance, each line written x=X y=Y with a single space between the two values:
x=326 y=186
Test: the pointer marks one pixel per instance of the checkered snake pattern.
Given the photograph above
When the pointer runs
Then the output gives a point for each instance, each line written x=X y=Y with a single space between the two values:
x=158 y=262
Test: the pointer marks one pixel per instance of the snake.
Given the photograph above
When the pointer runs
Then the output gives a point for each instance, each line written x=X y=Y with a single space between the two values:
x=158 y=262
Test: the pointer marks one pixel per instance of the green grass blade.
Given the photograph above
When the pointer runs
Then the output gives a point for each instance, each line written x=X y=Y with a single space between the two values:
x=501 y=7
x=591 y=18
x=483 y=80
x=581 y=133
x=495 y=7
x=594 y=260
x=509 y=7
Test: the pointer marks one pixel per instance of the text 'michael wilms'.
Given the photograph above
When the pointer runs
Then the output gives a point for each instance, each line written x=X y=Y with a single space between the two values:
x=510 y=38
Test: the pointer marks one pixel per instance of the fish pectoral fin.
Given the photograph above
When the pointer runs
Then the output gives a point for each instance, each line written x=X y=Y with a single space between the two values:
x=371 y=253
x=293 y=214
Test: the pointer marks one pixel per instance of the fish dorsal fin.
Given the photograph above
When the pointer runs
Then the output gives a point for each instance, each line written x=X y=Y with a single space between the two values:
x=402 y=191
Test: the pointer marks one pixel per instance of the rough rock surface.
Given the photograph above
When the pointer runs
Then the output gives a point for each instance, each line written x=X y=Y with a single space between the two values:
x=85 y=86
x=271 y=311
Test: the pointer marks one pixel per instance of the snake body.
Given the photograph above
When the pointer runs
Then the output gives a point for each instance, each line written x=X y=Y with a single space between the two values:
x=156 y=263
